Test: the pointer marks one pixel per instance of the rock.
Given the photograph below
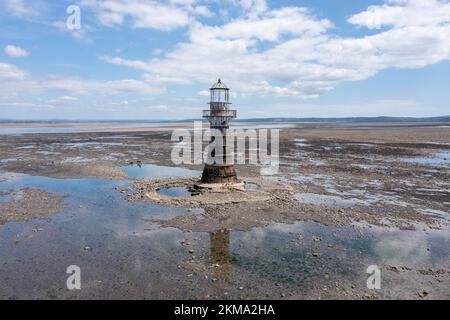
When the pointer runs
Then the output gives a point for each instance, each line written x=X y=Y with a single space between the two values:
x=423 y=294
x=315 y=254
x=87 y=248
x=191 y=251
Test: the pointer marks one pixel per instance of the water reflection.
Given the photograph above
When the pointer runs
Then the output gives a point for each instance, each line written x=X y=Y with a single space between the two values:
x=152 y=171
x=220 y=255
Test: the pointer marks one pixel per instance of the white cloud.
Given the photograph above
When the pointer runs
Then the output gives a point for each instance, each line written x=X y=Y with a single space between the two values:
x=14 y=81
x=67 y=98
x=80 y=34
x=21 y=9
x=15 y=52
x=403 y=13
x=361 y=108
x=102 y=87
x=290 y=52
x=204 y=93
x=160 y=15
x=143 y=14
x=203 y=11
x=10 y=72
x=161 y=107
x=252 y=8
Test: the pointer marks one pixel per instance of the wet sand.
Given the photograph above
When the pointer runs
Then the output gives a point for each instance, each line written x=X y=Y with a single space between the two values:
x=360 y=194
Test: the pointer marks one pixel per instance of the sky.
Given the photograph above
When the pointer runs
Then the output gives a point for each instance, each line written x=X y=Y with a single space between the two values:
x=146 y=59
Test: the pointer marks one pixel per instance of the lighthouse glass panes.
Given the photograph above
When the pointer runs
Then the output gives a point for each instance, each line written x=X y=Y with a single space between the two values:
x=219 y=113
x=219 y=95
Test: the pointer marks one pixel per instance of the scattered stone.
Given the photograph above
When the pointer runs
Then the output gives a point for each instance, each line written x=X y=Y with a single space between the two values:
x=28 y=204
x=423 y=294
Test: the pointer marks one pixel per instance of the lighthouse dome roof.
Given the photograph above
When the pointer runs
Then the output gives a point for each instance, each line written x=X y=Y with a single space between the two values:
x=219 y=85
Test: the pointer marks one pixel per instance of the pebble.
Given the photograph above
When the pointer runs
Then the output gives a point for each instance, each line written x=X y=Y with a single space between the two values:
x=423 y=294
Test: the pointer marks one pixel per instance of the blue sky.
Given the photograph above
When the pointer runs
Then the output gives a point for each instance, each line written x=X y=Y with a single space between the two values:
x=144 y=59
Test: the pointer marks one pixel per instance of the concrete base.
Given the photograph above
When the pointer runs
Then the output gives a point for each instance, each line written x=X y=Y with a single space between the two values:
x=212 y=186
x=223 y=174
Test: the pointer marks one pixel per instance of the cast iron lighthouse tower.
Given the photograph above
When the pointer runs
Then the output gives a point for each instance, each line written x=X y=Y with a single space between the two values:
x=219 y=116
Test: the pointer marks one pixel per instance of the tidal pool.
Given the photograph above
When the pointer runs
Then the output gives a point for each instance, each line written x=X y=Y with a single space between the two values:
x=175 y=191
x=439 y=158
x=251 y=186
x=152 y=171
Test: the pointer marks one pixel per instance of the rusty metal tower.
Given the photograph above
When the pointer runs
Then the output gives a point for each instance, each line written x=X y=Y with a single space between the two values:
x=219 y=116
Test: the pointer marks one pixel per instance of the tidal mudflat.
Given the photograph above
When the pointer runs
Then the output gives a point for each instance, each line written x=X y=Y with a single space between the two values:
x=355 y=195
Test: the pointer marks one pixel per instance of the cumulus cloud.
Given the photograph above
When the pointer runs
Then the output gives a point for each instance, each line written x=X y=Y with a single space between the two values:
x=10 y=72
x=15 y=52
x=290 y=52
x=158 y=15
x=67 y=98
x=20 y=8
x=103 y=87
x=18 y=80
x=78 y=34
x=403 y=13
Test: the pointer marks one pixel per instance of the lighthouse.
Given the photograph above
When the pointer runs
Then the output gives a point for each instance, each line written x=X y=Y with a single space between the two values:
x=219 y=115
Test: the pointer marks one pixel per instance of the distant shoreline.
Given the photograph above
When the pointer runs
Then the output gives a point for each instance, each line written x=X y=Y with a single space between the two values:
x=31 y=124
x=11 y=123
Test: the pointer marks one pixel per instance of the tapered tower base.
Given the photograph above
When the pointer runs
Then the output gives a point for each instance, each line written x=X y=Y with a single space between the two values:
x=225 y=173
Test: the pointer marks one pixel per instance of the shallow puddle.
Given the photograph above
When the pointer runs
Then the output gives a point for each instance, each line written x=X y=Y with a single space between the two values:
x=152 y=171
x=301 y=143
x=251 y=186
x=439 y=158
x=175 y=192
